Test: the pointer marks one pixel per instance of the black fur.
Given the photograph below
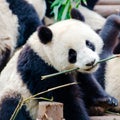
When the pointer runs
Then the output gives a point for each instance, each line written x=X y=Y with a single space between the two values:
x=72 y=56
x=31 y=67
x=77 y=15
x=92 y=89
x=4 y=57
x=90 y=45
x=9 y=105
x=28 y=19
x=49 y=9
x=45 y=35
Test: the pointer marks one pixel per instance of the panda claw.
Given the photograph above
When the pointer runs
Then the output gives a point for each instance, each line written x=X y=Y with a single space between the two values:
x=107 y=102
x=116 y=104
x=111 y=101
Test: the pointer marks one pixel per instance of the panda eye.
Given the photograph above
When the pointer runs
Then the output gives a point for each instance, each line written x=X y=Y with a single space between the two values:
x=97 y=31
x=90 y=45
x=72 y=55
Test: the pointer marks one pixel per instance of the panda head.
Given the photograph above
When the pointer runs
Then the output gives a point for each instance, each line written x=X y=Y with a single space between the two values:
x=70 y=44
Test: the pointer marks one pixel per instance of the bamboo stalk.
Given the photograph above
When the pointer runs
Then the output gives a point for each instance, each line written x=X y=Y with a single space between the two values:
x=21 y=102
x=49 y=90
x=17 y=109
x=59 y=73
x=74 y=69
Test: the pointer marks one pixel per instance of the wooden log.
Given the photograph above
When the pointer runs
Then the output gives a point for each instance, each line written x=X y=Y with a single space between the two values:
x=50 y=111
x=105 y=118
x=108 y=2
x=106 y=10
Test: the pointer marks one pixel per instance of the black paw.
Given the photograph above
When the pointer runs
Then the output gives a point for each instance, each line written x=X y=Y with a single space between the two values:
x=106 y=102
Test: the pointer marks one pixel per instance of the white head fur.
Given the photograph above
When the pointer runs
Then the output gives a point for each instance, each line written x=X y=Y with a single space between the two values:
x=66 y=35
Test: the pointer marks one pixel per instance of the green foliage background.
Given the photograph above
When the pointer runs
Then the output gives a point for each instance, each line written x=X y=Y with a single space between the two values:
x=61 y=8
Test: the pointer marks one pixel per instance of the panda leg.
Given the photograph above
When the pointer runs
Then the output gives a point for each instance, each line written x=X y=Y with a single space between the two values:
x=8 y=106
x=94 y=94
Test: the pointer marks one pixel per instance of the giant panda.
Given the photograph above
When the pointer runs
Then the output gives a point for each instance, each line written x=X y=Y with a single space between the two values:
x=18 y=20
x=108 y=73
x=64 y=45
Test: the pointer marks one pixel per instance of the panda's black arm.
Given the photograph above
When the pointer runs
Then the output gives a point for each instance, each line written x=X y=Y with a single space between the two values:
x=94 y=94
x=109 y=33
x=71 y=97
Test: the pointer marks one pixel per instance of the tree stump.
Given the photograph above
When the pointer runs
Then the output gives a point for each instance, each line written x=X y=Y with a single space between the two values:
x=106 y=117
x=50 y=111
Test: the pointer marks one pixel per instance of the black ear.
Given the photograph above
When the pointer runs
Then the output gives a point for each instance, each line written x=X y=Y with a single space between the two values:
x=75 y=14
x=44 y=34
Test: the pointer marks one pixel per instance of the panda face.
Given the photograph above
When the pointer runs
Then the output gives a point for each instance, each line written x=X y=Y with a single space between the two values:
x=72 y=57
x=71 y=44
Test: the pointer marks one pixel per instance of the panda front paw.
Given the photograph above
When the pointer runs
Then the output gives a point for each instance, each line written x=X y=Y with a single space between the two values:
x=106 y=102
x=101 y=105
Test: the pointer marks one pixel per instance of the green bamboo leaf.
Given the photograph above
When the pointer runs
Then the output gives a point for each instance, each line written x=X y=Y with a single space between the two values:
x=61 y=8
x=64 y=2
x=55 y=12
x=65 y=11
x=60 y=13
x=78 y=3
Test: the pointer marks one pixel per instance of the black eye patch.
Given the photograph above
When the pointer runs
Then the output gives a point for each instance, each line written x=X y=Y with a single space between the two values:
x=97 y=31
x=72 y=55
x=90 y=45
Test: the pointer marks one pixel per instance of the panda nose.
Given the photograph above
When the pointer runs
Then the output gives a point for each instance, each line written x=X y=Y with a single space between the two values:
x=90 y=63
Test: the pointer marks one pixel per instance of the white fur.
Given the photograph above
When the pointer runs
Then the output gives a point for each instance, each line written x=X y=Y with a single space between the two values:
x=112 y=78
x=8 y=27
x=40 y=7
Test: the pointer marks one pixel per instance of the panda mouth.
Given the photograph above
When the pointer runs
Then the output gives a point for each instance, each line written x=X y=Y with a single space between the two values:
x=89 y=69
